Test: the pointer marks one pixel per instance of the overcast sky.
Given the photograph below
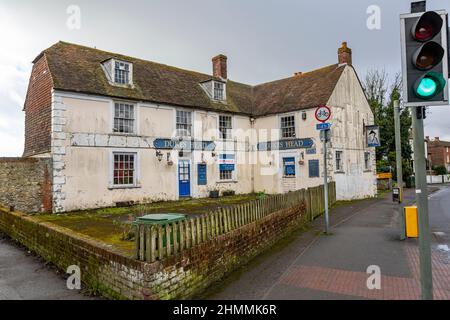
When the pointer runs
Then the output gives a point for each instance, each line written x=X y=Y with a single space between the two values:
x=264 y=41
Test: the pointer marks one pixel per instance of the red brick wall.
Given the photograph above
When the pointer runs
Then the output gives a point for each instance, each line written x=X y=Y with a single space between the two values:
x=438 y=153
x=38 y=110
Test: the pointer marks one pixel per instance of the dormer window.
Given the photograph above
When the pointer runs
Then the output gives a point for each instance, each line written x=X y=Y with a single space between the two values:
x=219 y=90
x=121 y=72
x=118 y=72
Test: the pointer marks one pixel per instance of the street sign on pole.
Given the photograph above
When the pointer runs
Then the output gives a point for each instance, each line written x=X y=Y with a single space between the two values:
x=323 y=114
x=323 y=126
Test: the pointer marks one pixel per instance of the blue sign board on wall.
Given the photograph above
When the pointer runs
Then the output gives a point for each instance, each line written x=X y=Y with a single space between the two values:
x=187 y=145
x=226 y=162
x=286 y=144
x=202 y=176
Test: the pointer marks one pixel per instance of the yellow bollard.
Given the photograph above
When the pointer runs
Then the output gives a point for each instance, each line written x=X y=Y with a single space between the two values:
x=411 y=222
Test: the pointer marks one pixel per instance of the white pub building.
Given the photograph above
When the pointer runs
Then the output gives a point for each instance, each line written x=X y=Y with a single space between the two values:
x=121 y=129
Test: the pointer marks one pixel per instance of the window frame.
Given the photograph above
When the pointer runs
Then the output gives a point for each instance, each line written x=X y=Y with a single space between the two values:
x=292 y=127
x=339 y=168
x=296 y=171
x=135 y=117
x=136 y=171
x=190 y=125
x=214 y=90
x=233 y=172
x=367 y=164
x=113 y=72
x=230 y=137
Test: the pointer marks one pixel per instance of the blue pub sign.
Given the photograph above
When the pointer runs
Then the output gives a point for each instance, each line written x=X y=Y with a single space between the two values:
x=286 y=144
x=186 y=145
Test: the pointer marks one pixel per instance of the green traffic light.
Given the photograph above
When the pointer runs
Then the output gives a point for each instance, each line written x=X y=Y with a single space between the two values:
x=427 y=88
x=429 y=85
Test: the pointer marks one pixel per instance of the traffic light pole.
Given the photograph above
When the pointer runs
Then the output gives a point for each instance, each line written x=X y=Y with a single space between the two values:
x=426 y=276
x=398 y=150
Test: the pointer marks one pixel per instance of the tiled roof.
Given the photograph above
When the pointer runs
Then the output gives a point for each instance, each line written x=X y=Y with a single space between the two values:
x=77 y=68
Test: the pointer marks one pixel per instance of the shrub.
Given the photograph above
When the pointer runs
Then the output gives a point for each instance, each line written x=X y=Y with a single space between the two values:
x=228 y=193
x=440 y=170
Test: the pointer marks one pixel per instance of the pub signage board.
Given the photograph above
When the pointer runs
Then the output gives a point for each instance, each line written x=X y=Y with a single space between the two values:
x=286 y=144
x=189 y=145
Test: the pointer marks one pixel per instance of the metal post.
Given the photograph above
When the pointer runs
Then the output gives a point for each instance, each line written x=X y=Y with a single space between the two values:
x=325 y=178
x=399 y=161
x=426 y=276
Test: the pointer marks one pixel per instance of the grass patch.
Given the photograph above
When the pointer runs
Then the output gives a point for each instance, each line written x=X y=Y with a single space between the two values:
x=109 y=225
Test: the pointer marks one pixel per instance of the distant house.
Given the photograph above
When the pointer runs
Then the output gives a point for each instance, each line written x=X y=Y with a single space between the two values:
x=438 y=153
x=122 y=129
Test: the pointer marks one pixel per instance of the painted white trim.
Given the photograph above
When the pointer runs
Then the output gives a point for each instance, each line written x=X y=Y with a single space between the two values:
x=137 y=165
x=81 y=96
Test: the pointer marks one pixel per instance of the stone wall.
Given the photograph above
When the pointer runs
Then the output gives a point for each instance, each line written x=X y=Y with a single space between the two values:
x=26 y=184
x=181 y=276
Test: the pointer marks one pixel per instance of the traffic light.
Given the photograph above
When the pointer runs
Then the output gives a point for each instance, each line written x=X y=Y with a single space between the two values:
x=425 y=58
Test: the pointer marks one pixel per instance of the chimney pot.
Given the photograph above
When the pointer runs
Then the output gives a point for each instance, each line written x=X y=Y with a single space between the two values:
x=345 y=54
x=436 y=138
x=220 y=66
x=296 y=74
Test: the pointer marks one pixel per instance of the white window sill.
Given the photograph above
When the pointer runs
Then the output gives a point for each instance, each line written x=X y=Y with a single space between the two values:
x=121 y=85
x=113 y=187
x=226 y=181
x=339 y=172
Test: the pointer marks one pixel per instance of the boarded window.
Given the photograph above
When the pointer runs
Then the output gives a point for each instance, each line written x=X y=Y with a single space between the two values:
x=289 y=167
x=313 y=168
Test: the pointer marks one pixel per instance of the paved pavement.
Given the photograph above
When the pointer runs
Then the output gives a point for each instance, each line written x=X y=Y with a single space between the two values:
x=24 y=276
x=364 y=233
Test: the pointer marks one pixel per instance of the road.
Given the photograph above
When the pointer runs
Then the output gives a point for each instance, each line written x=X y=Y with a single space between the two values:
x=24 y=276
x=364 y=234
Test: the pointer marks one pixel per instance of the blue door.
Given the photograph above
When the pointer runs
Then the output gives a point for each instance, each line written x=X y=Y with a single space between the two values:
x=184 y=178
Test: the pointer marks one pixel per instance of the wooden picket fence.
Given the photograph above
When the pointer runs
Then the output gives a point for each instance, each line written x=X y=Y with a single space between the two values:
x=155 y=242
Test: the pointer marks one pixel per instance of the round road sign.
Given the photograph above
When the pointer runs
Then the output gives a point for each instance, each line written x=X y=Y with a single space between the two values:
x=323 y=113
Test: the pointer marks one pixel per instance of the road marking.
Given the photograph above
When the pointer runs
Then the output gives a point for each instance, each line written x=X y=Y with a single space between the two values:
x=443 y=247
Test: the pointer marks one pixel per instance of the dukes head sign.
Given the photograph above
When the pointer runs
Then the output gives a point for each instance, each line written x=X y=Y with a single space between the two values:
x=286 y=144
x=187 y=145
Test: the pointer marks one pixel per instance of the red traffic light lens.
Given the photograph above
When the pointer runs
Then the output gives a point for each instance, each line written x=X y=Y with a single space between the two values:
x=428 y=56
x=428 y=26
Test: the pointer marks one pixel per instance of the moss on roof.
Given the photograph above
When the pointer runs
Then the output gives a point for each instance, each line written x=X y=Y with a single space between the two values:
x=77 y=68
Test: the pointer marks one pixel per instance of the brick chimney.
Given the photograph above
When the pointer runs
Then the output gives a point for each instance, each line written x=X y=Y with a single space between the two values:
x=436 y=138
x=345 y=54
x=220 y=66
